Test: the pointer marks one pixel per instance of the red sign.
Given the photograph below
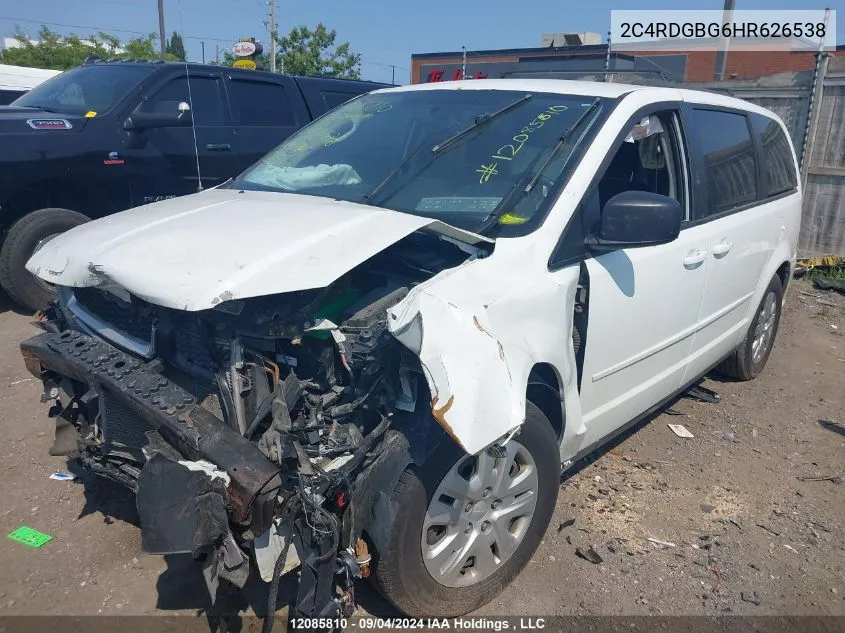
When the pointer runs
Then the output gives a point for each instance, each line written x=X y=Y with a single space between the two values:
x=244 y=49
x=437 y=75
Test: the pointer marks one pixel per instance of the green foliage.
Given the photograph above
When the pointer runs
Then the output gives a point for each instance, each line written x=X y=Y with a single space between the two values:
x=311 y=53
x=831 y=273
x=176 y=47
x=308 y=53
x=262 y=61
x=143 y=48
x=60 y=53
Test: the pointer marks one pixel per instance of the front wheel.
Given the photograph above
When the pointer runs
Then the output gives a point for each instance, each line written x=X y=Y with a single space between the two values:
x=466 y=525
x=25 y=237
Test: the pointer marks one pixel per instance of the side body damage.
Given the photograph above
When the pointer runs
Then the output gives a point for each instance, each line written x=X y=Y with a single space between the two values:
x=269 y=432
x=478 y=345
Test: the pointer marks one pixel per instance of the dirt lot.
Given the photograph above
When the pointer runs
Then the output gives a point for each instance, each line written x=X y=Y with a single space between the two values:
x=748 y=535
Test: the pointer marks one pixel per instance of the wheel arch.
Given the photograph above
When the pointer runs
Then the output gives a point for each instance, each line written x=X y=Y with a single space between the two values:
x=784 y=271
x=89 y=198
x=780 y=265
x=544 y=391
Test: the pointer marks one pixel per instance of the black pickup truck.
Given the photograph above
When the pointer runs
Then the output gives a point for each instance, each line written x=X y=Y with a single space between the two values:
x=107 y=136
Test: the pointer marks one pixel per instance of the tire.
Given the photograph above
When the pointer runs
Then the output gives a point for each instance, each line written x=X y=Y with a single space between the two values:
x=401 y=573
x=749 y=359
x=21 y=242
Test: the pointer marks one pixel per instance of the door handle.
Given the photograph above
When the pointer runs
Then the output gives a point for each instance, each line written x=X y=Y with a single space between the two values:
x=694 y=258
x=218 y=147
x=722 y=248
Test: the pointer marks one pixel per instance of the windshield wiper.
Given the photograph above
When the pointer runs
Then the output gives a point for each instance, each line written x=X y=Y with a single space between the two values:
x=479 y=121
x=518 y=191
x=42 y=107
x=442 y=145
x=563 y=138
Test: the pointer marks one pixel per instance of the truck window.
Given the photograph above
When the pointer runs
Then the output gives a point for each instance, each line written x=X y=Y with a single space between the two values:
x=205 y=99
x=260 y=103
x=333 y=99
x=729 y=159
x=777 y=155
x=84 y=89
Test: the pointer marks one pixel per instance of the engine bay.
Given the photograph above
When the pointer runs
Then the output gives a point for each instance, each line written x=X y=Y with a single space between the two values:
x=254 y=426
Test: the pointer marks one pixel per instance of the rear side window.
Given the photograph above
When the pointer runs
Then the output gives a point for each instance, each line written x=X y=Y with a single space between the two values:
x=260 y=103
x=729 y=159
x=206 y=102
x=777 y=155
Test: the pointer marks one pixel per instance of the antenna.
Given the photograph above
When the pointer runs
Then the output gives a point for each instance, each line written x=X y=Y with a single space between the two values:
x=191 y=103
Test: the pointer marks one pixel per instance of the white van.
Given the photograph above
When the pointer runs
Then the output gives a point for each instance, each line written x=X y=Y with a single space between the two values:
x=16 y=81
x=387 y=337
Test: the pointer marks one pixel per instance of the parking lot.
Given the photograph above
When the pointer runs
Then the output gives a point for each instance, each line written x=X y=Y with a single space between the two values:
x=740 y=525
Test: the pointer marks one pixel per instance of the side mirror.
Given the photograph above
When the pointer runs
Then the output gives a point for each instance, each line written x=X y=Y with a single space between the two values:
x=633 y=219
x=179 y=116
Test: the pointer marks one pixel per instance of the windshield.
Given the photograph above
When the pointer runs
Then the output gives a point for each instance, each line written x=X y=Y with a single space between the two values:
x=472 y=158
x=84 y=89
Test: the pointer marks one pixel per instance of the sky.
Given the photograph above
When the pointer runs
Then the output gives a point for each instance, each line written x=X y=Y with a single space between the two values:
x=386 y=33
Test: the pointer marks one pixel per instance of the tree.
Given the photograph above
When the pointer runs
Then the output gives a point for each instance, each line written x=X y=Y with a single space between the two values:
x=176 y=47
x=60 y=53
x=312 y=53
x=262 y=62
x=144 y=48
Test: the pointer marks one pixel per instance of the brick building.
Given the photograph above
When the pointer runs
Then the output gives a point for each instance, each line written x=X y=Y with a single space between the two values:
x=697 y=66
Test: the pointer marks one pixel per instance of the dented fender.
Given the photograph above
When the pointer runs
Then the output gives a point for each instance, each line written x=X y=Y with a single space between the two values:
x=478 y=331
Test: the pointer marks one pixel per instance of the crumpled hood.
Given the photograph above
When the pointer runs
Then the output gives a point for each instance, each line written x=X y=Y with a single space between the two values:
x=193 y=252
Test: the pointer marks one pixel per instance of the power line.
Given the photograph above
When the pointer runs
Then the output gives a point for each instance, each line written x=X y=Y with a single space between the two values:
x=123 y=4
x=107 y=29
x=386 y=65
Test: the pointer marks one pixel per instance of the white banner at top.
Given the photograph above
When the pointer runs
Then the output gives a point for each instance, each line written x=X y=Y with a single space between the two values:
x=687 y=30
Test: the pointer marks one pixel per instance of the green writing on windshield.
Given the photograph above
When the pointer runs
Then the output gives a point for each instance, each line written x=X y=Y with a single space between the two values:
x=509 y=151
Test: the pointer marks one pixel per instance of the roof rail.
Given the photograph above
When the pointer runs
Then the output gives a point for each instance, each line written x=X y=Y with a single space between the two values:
x=556 y=74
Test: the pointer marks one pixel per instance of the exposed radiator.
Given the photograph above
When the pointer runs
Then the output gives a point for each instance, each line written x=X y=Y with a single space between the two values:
x=121 y=426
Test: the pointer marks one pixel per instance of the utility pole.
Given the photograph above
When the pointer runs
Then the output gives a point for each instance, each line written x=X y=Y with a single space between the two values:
x=393 y=74
x=217 y=54
x=203 y=52
x=722 y=54
x=272 y=36
x=464 y=63
x=161 y=28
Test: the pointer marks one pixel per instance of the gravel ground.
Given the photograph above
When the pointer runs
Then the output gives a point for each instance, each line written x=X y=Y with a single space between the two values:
x=742 y=532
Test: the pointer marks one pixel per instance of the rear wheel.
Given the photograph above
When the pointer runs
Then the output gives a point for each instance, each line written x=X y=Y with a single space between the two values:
x=25 y=237
x=466 y=525
x=749 y=359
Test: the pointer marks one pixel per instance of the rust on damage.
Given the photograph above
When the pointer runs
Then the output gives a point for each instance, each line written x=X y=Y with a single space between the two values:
x=440 y=416
x=481 y=328
x=32 y=363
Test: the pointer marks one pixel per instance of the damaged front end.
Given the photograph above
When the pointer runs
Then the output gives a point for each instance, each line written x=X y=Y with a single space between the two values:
x=264 y=433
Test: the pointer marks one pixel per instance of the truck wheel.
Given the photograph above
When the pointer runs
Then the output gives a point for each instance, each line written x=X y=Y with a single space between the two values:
x=466 y=525
x=25 y=237
x=749 y=359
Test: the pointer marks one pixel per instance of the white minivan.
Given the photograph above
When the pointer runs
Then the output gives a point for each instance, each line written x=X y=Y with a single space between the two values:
x=372 y=353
